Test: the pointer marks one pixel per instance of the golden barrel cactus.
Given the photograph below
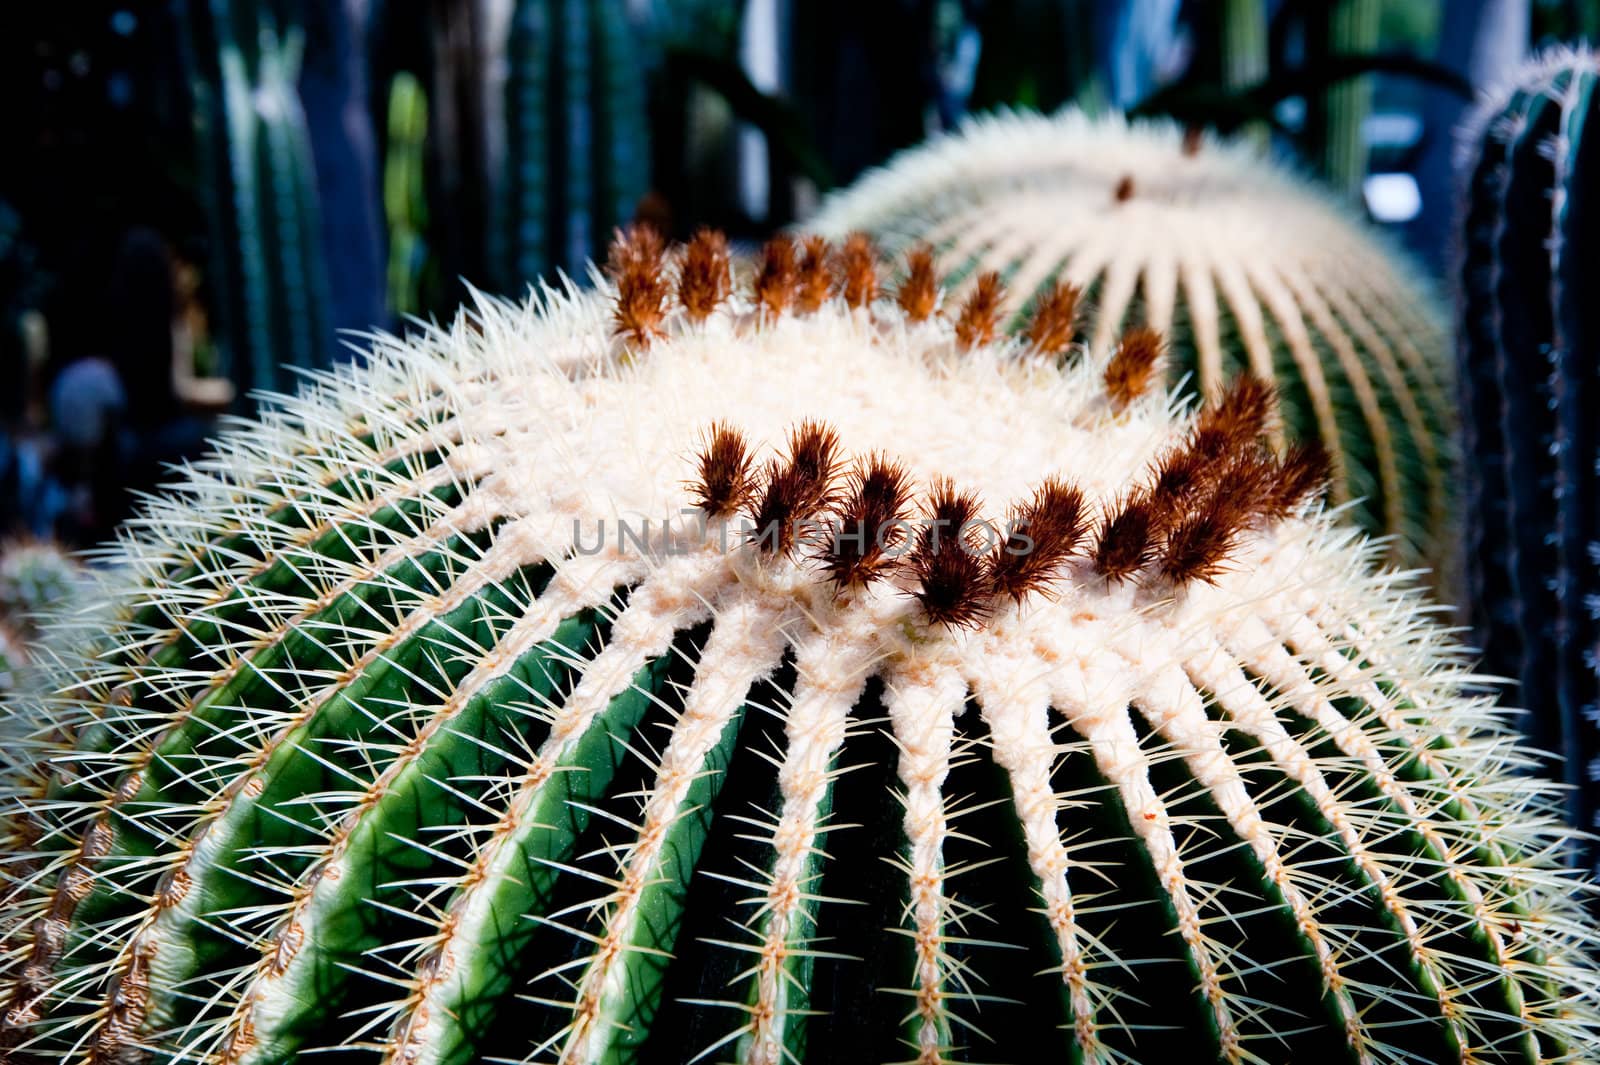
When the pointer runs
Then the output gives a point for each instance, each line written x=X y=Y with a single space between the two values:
x=813 y=672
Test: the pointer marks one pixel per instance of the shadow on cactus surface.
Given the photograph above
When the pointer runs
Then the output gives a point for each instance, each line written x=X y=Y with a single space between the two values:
x=1530 y=359
x=394 y=745
x=1247 y=265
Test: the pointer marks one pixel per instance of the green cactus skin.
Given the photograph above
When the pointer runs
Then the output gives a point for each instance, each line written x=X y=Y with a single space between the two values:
x=267 y=267
x=1530 y=356
x=577 y=154
x=379 y=749
x=1244 y=264
x=405 y=201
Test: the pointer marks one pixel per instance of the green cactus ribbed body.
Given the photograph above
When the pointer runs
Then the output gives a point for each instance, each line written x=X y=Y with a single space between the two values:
x=577 y=155
x=1244 y=263
x=396 y=746
x=1530 y=372
x=267 y=270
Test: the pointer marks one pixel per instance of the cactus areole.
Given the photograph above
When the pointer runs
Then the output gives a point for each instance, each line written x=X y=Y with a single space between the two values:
x=802 y=669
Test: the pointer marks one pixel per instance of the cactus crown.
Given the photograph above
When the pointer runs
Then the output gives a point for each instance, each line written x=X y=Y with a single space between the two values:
x=1247 y=265
x=394 y=749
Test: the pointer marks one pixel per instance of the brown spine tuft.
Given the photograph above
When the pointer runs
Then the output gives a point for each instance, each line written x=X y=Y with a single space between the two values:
x=1126 y=537
x=871 y=526
x=816 y=277
x=1239 y=418
x=858 y=270
x=919 y=292
x=1043 y=534
x=796 y=491
x=1133 y=367
x=705 y=280
x=1180 y=475
x=952 y=584
x=1055 y=319
x=776 y=279
x=726 y=477
x=1199 y=544
x=1303 y=474
x=639 y=244
x=980 y=313
x=635 y=264
x=1124 y=189
x=1193 y=140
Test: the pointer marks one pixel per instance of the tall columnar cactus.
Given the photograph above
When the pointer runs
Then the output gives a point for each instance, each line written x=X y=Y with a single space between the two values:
x=1530 y=371
x=576 y=155
x=267 y=268
x=629 y=677
x=1245 y=264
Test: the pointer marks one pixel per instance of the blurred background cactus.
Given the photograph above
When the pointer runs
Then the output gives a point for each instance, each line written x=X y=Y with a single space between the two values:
x=575 y=142
x=1530 y=373
x=268 y=271
x=37 y=579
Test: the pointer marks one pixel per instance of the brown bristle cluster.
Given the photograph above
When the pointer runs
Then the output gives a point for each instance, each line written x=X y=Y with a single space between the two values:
x=1204 y=494
x=816 y=275
x=1198 y=545
x=1301 y=475
x=1054 y=325
x=777 y=277
x=1124 y=189
x=725 y=476
x=919 y=292
x=952 y=579
x=704 y=280
x=1042 y=535
x=1180 y=475
x=1240 y=417
x=1193 y=139
x=1132 y=369
x=871 y=526
x=635 y=264
x=858 y=270
x=797 y=490
x=980 y=312
x=1127 y=536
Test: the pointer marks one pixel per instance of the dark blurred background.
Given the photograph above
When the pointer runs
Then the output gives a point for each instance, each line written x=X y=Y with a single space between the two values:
x=202 y=196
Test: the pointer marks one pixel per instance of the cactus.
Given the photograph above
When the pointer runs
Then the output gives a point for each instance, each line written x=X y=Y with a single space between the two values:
x=576 y=151
x=405 y=201
x=629 y=676
x=37 y=579
x=1530 y=356
x=268 y=275
x=1244 y=264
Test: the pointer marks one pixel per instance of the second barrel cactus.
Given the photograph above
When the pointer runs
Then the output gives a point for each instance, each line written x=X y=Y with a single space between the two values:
x=1247 y=265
